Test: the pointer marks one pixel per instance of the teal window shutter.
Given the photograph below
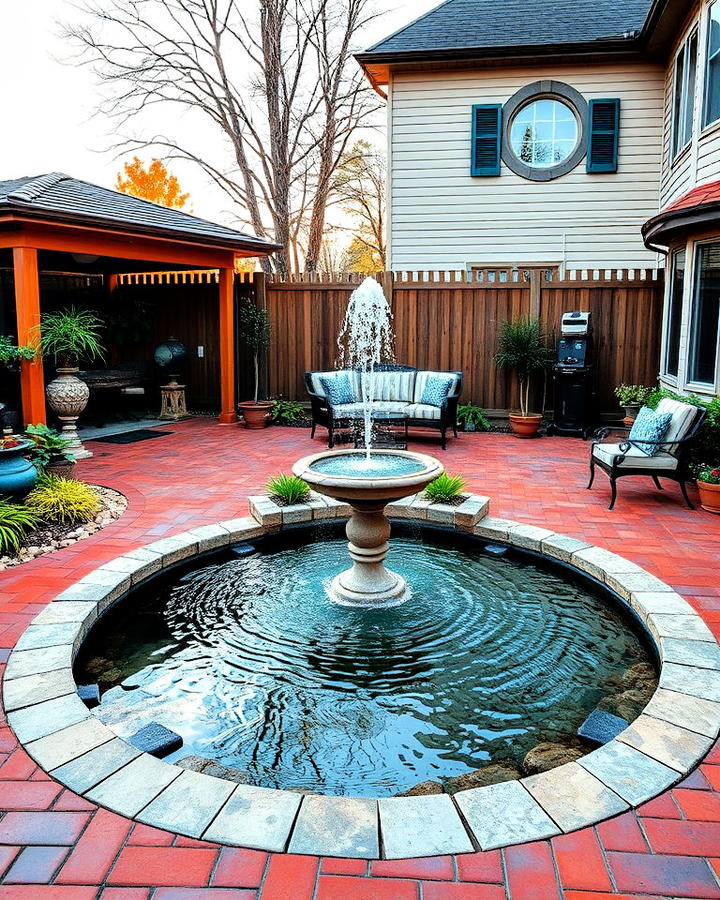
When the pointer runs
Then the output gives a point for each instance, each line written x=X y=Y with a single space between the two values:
x=603 y=135
x=486 y=134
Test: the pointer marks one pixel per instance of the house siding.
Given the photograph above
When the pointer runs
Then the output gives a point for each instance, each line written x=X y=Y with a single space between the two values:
x=443 y=218
x=699 y=162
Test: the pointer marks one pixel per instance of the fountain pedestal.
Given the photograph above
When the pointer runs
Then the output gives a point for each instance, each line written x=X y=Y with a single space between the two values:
x=367 y=582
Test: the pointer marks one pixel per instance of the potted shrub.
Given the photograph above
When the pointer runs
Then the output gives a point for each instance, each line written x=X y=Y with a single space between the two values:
x=632 y=397
x=708 y=484
x=472 y=418
x=66 y=336
x=521 y=349
x=50 y=452
x=254 y=327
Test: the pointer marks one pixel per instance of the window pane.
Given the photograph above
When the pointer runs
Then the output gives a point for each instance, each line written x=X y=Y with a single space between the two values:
x=705 y=312
x=544 y=133
x=678 y=101
x=674 y=318
x=690 y=89
x=712 y=87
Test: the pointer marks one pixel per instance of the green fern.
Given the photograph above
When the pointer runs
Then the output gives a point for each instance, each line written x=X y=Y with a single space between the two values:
x=15 y=522
x=445 y=487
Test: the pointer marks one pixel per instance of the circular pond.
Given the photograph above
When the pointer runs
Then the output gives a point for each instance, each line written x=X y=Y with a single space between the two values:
x=248 y=659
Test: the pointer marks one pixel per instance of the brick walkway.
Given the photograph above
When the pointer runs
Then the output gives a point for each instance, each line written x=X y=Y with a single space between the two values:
x=55 y=845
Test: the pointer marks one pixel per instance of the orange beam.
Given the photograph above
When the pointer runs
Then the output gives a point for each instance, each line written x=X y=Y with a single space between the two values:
x=227 y=347
x=72 y=239
x=27 y=305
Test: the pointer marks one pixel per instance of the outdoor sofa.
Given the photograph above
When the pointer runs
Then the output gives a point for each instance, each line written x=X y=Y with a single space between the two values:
x=397 y=389
x=670 y=459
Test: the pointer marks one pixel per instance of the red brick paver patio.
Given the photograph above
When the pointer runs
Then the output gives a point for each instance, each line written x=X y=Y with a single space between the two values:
x=56 y=845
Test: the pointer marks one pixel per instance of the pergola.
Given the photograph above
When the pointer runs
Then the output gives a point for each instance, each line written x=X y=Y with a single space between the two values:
x=46 y=218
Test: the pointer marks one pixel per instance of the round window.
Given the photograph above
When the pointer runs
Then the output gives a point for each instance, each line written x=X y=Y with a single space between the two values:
x=544 y=133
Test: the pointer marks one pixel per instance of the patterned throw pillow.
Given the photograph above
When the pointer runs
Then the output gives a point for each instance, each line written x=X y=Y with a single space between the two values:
x=650 y=426
x=436 y=390
x=338 y=390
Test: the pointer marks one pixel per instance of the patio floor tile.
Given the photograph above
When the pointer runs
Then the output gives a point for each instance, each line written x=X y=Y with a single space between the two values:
x=668 y=876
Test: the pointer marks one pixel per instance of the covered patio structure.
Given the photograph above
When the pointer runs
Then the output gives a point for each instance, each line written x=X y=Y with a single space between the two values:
x=54 y=222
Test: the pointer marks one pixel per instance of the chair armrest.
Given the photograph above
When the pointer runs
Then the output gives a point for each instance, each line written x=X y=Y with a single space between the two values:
x=606 y=430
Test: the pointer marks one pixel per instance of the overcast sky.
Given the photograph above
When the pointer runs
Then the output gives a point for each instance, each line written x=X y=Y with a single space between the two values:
x=48 y=107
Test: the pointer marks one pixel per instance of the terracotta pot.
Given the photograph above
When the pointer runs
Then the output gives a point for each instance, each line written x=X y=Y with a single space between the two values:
x=68 y=396
x=709 y=497
x=631 y=412
x=525 y=426
x=256 y=415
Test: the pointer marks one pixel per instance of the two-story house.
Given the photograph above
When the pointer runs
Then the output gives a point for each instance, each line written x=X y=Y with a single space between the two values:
x=563 y=135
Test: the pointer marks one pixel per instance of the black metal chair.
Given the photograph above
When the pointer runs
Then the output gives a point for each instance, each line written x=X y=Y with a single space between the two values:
x=623 y=458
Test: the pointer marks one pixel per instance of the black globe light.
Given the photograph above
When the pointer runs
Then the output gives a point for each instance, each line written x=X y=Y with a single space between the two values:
x=170 y=357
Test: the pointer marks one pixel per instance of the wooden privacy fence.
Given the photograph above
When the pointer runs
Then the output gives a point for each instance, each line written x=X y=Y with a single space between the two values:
x=451 y=320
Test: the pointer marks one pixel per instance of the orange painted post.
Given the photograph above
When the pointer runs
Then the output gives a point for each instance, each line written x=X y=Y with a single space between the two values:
x=27 y=305
x=227 y=347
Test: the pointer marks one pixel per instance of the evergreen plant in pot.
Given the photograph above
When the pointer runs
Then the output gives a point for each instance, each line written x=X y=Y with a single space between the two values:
x=254 y=327
x=522 y=350
x=66 y=336
x=11 y=357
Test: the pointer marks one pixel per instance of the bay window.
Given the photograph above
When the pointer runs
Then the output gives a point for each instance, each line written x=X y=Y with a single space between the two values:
x=712 y=69
x=705 y=315
x=684 y=94
x=674 y=313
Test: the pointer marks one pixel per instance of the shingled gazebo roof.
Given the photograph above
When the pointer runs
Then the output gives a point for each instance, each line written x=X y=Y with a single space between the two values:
x=55 y=197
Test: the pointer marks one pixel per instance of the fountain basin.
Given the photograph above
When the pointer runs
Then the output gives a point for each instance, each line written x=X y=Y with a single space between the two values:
x=356 y=478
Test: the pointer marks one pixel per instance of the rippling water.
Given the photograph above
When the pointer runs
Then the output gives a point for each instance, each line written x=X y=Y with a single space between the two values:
x=356 y=465
x=256 y=668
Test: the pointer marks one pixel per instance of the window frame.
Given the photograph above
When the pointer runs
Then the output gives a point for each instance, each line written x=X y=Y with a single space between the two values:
x=701 y=387
x=706 y=122
x=680 y=95
x=672 y=300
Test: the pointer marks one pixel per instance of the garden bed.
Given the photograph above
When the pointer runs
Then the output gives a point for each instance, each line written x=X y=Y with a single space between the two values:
x=48 y=538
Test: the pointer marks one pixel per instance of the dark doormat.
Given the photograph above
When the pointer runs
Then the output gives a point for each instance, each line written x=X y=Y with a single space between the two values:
x=130 y=437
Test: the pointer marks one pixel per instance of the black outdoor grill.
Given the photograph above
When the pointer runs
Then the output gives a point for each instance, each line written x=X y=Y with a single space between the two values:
x=572 y=377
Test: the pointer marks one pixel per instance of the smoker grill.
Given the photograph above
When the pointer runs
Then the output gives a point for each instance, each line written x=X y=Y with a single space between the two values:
x=574 y=400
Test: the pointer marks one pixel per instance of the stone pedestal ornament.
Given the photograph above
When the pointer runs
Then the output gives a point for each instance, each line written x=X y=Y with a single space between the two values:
x=68 y=396
x=173 y=405
x=368 y=583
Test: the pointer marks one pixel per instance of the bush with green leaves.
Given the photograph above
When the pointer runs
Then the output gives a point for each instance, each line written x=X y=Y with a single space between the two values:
x=288 y=488
x=69 y=335
x=709 y=475
x=522 y=349
x=472 y=418
x=47 y=445
x=287 y=412
x=11 y=354
x=632 y=394
x=55 y=499
x=444 y=488
x=254 y=331
x=705 y=450
x=16 y=521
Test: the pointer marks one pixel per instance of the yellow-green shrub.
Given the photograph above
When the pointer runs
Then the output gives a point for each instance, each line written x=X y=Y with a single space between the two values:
x=56 y=499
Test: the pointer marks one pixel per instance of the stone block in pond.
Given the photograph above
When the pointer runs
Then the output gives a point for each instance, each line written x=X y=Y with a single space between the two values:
x=600 y=727
x=244 y=548
x=157 y=740
x=89 y=694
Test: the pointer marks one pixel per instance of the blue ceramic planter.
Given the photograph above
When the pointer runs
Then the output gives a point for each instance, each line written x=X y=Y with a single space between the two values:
x=17 y=474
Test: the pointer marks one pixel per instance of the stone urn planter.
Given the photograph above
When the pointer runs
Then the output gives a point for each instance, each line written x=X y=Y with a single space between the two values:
x=631 y=412
x=709 y=496
x=256 y=413
x=17 y=474
x=525 y=426
x=68 y=396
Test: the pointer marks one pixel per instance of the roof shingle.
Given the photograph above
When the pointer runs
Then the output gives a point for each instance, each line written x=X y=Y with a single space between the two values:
x=60 y=196
x=486 y=24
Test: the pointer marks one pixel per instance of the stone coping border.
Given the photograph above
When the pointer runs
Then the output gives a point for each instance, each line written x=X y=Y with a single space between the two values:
x=674 y=731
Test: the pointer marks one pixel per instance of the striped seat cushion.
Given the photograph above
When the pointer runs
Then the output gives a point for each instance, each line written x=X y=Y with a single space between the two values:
x=422 y=411
x=317 y=377
x=683 y=416
x=633 y=458
x=421 y=381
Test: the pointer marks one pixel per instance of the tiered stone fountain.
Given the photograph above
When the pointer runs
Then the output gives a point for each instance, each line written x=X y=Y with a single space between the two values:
x=368 y=479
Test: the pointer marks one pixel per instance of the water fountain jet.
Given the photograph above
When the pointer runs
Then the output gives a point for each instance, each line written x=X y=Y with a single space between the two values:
x=368 y=479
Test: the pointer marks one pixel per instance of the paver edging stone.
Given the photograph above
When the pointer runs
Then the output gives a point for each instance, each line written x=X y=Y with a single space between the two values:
x=564 y=799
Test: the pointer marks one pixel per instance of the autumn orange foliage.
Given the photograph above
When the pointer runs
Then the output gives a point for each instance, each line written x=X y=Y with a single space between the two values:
x=152 y=182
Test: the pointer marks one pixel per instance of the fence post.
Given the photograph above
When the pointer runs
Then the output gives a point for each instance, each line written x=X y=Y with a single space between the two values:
x=386 y=281
x=260 y=283
x=535 y=288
